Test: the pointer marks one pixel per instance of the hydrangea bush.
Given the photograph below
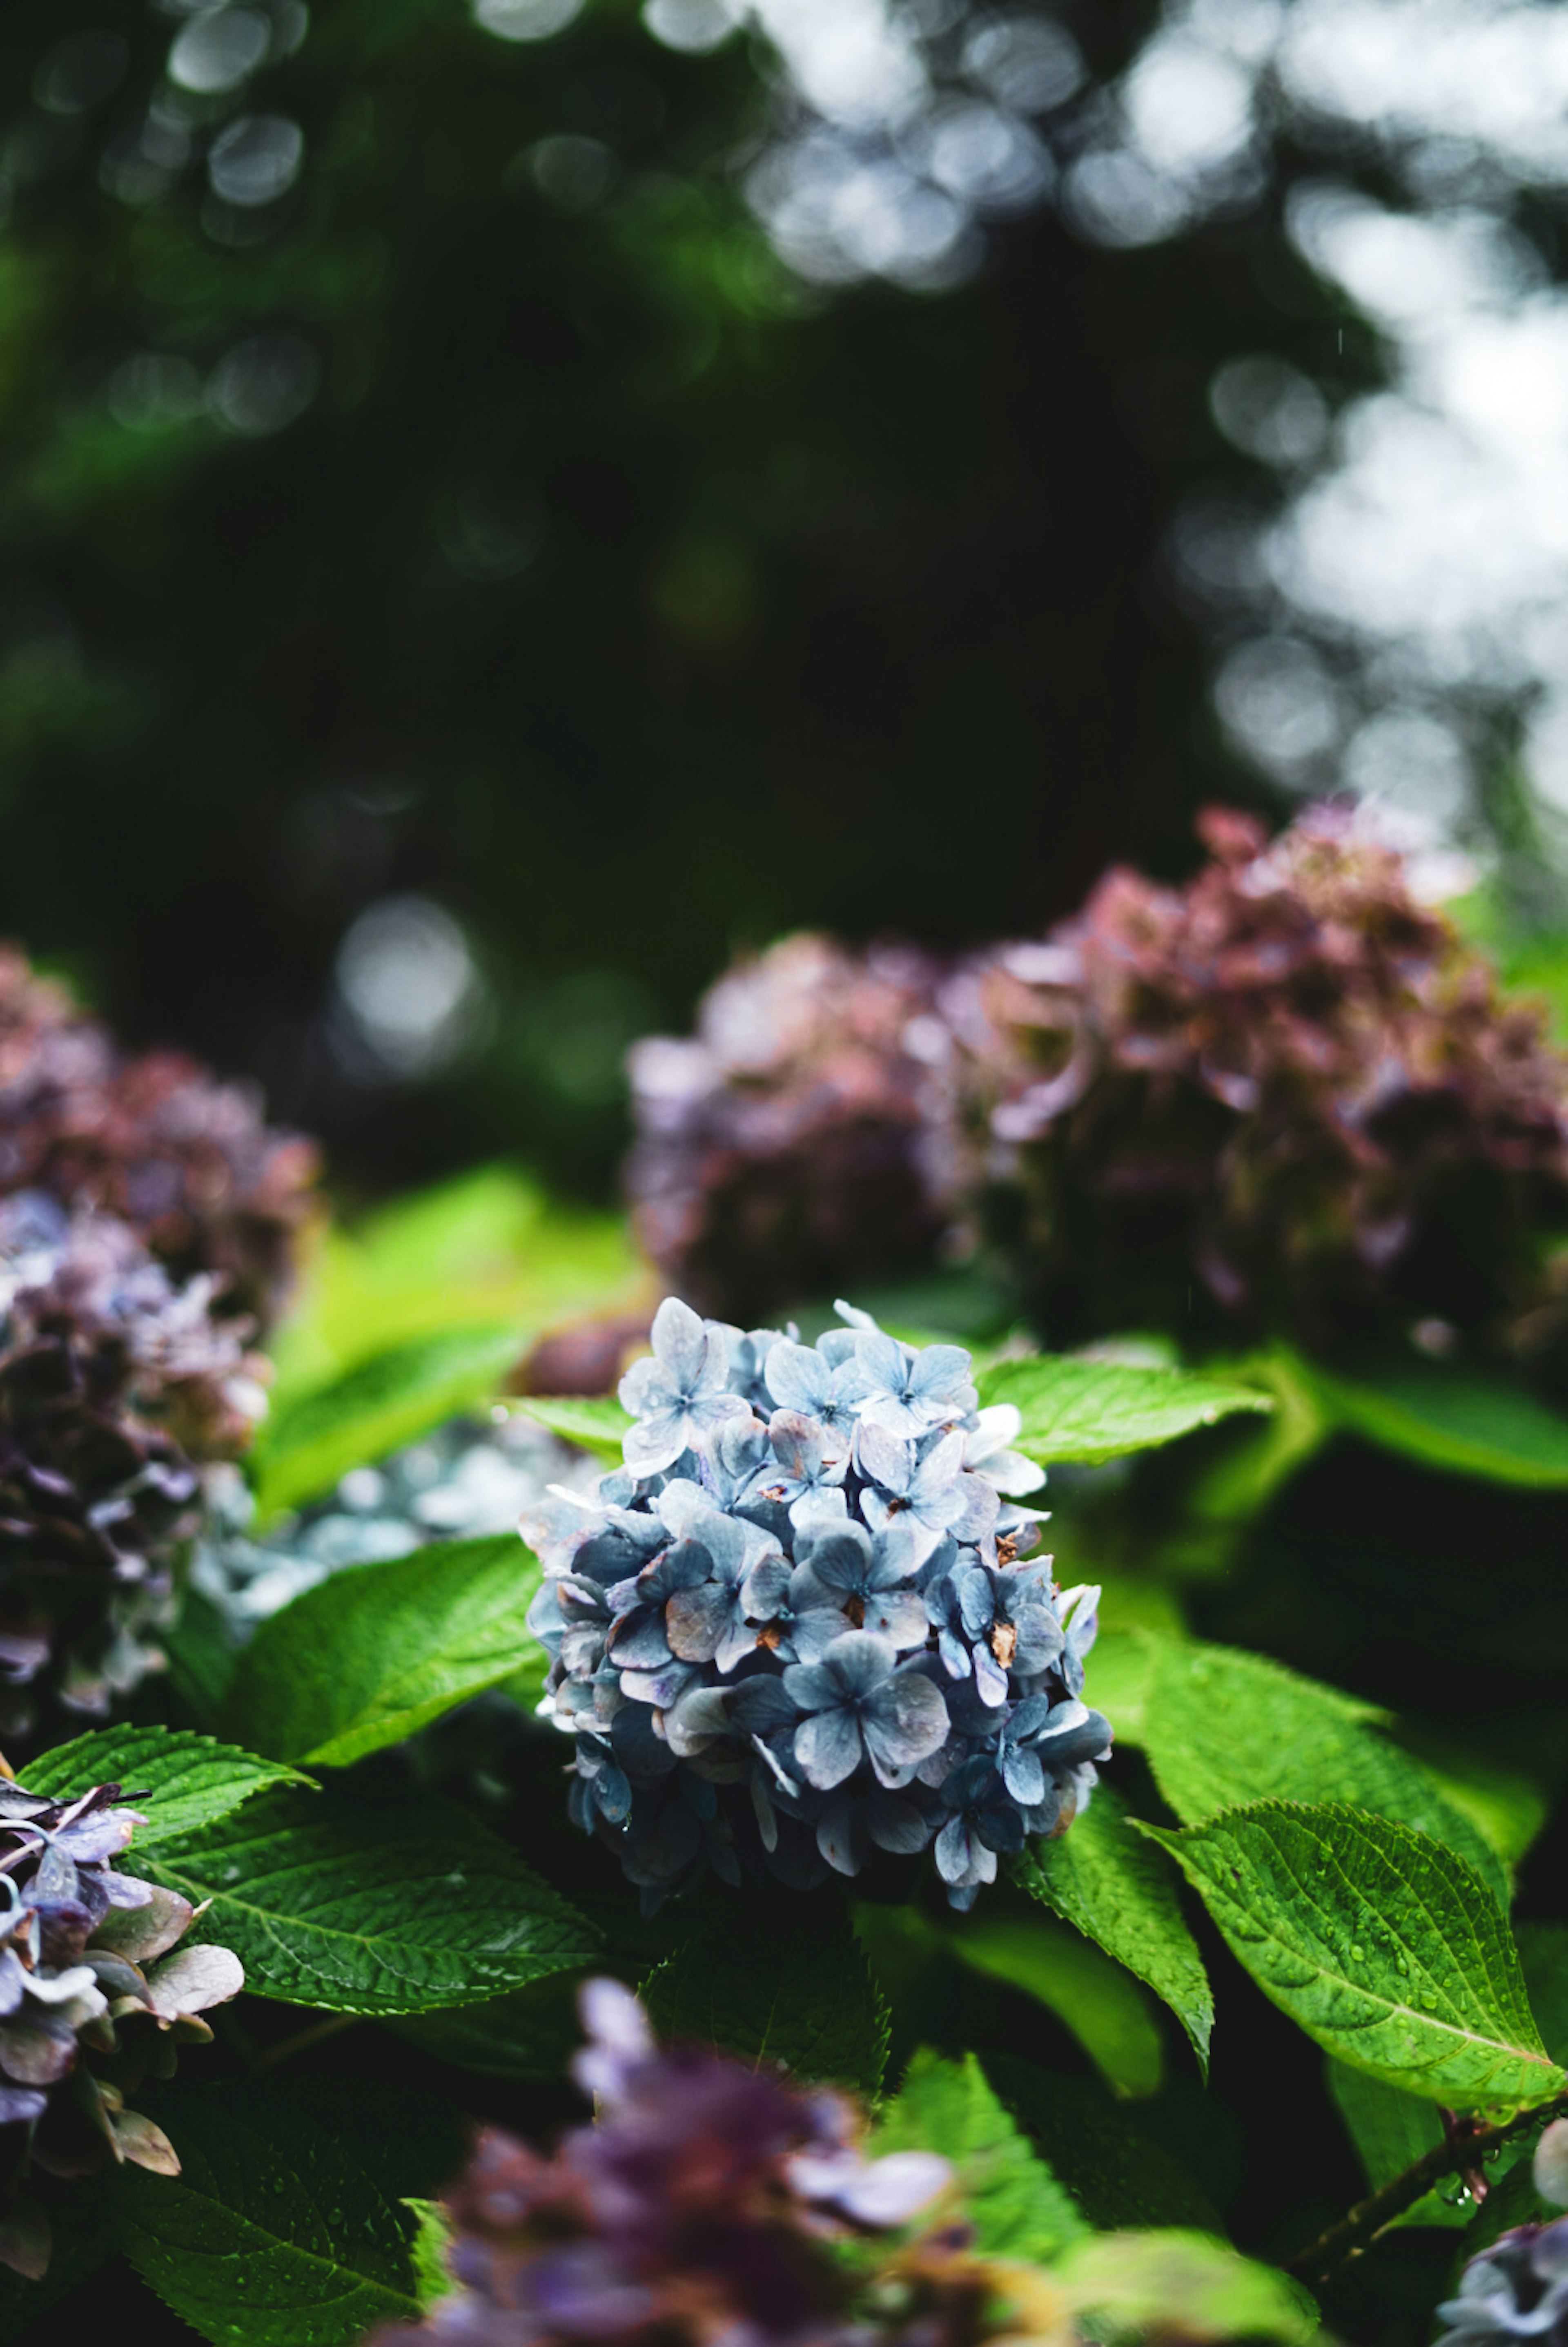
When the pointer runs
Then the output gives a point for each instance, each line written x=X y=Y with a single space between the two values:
x=804 y=1625
x=115 y=1385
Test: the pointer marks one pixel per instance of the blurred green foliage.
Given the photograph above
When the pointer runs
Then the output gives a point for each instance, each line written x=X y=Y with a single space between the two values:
x=490 y=517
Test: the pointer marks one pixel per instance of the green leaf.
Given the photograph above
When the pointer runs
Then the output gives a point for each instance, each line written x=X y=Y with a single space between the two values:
x=1377 y=1942
x=1105 y=2010
x=593 y=1423
x=530 y=2035
x=1543 y=1953
x=1112 y=1887
x=272 y=2232
x=1095 y=1410
x=372 y=1911
x=1506 y=1808
x=1122 y=1667
x=1223 y=1729
x=1461 y=1421
x=487 y=1246
x=1009 y=2195
x=373 y=1653
x=1116 y=2174
x=182 y=1783
x=778 y=1986
x=202 y=1647
x=1180 y=2285
x=1391 y=2131
x=375 y=1407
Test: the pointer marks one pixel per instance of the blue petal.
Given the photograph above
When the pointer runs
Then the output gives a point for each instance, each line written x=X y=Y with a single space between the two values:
x=797 y=1378
x=904 y=1721
x=681 y=1343
x=828 y=1748
x=696 y=1620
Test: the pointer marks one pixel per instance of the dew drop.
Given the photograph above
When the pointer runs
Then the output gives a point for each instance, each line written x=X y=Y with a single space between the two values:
x=1356 y=1954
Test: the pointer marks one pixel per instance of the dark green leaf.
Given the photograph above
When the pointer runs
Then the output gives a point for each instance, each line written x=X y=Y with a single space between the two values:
x=377 y=1651
x=1391 y=2131
x=778 y=1986
x=183 y=1783
x=527 y=2035
x=1543 y=1953
x=1009 y=2195
x=377 y=1406
x=380 y=1911
x=1095 y=1410
x=1461 y=1421
x=1116 y=2174
x=81 y=2220
x=1223 y=1729
x=272 y=2232
x=1506 y=1808
x=1119 y=1892
x=202 y=1648
x=1105 y=2010
x=1180 y=2285
x=1379 y=1942
x=594 y=1423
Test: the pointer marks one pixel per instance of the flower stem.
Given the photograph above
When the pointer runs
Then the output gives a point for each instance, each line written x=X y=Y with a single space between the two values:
x=1463 y=2147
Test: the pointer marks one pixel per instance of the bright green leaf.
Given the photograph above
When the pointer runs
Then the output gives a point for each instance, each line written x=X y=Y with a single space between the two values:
x=1379 y=1942
x=1461 y=1421
x=1121 y=1675
x=391 y=1910
x=796 y=1990
x=373 y=1653
x=1115 y=2172
x=595 y=1424
x=1180 y=2285
x=1223 y=1729
x=1105 y=2010
x=1391 y=2131
x=272 y=2230
x=180 y=1783
x=1095 y=1410
x=1008 y=2194
x=1119 y=1892
x=375 y=1407
x=487 y=1246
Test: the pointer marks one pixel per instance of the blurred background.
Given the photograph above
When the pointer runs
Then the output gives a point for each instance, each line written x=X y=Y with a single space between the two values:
x=504 y=503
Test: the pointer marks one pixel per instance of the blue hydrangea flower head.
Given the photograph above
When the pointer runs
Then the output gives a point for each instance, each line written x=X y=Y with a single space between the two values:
x=803 y=1630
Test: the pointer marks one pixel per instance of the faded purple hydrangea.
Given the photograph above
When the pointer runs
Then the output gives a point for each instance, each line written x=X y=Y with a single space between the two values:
x=96 y=1996
x=781 y=1149
x=115 y=1385
x=801 y=1630
x=703 y=2205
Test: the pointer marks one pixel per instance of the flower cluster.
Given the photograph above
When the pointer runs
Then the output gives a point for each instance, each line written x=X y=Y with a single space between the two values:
x=801 y=1626
x=1518 y=2287
x=1286 y=1089
x=186 y=1160
x=779 y=1151
x=96 y=1995
x=113 y=1382
x=705 y=2205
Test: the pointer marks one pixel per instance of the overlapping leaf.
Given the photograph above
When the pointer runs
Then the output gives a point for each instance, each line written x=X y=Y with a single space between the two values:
x=181 y=1782
x=375 y=1910
x=1379 y=1942
x=272 y=2232
x=1460 y=1421
x=1223 y=1729
x=1105 y=2010
x=316 y=1436
x=1009 y=2195
x=796 y=1990
x=373 y=1653
x=1121 y=1893
x=1095 y=1410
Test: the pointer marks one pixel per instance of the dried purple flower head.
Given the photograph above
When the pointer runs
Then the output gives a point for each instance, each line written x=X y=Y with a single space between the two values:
x=702 y=2206
x=187 y=1160
x=113 y=1382
x=1287 y=1089
x=779 y=1150
x=94 y=2000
